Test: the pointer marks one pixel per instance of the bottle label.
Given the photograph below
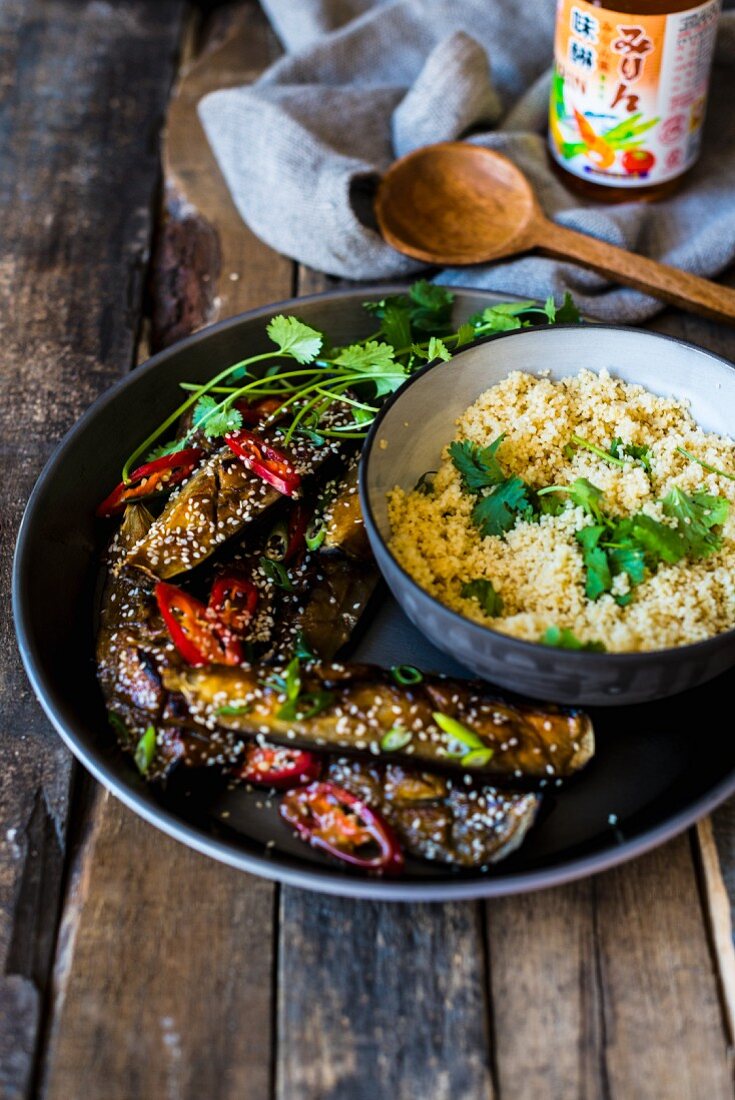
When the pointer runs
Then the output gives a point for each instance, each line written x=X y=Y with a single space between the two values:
x=628 y=92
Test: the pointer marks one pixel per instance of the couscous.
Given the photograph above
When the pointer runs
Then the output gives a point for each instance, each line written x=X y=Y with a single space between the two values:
x=586 y=512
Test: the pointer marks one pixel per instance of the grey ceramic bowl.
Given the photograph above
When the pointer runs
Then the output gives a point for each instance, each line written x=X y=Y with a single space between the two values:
x=418 y=422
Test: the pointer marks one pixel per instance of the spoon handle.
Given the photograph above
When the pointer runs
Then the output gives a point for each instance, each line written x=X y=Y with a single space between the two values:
x=679 y=288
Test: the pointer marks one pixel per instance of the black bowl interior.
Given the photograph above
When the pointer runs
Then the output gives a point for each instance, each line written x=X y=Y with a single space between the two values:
x=650 y=777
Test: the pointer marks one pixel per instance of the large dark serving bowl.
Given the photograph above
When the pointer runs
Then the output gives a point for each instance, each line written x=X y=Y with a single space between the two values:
x=652 y=773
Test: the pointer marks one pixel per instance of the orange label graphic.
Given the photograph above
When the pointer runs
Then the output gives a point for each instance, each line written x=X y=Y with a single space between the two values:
x=628 y=92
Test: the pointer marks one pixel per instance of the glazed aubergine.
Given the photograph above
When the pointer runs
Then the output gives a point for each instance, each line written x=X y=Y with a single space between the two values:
x=454 y=725
x=235 y=666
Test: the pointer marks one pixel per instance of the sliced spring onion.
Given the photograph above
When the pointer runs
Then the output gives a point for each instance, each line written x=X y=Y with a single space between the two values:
x=145 y=750
x=395 y=739
x=276 y=574
x=406 y=674
x=479 y=753
x=477 y=758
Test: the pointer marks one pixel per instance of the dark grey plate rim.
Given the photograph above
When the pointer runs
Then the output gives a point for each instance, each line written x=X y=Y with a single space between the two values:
x=276 y=868
x=694 y=649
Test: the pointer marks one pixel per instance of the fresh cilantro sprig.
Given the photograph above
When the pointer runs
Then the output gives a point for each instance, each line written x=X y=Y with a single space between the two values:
x=582 y=493
x=496 y=512
x=484 y=592
x=477 y=466
x=312 y=378
x=501 y=499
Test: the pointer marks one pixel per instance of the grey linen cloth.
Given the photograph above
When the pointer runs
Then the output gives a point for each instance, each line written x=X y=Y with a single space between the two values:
x=365 y=81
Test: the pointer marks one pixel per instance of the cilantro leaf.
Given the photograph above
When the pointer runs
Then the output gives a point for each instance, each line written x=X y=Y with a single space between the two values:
x=438 y=350
x=166 y=449
x=598 y=576
x=567 y=313
x=661 y=543
x=562 y=638
x=628 y=559
x=498 y=320
x=582 y=493
x=214 y=419
x=465 y=334
x=696 y=514
x=368 y=356
x=477 y=466
x=396 y=326
x=482 y=590
x=639 y=452
x=294 y=338
x=431 y=306
x=497 y=512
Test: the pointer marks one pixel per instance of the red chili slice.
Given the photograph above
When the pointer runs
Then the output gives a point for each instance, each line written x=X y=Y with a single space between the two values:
x=199 y=635
x=273 y=766
x=233 y=599
x=256 y=412
x=298 y=521
x=166 y=471
x=265 y=461
x=330 y=818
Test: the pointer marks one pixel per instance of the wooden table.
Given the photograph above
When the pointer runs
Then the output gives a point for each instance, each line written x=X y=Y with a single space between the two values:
x=132 y=967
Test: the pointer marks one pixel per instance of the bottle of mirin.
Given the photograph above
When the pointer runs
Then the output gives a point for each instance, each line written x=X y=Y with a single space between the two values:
x=628 y=94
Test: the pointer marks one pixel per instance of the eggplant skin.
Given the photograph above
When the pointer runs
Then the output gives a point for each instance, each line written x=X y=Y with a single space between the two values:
x=219 y=499
x=437 y=820
x=360 y=704
x=343 y=521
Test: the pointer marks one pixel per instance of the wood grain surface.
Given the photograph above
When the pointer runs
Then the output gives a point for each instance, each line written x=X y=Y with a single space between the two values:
x=173 y=976
x=77 y=81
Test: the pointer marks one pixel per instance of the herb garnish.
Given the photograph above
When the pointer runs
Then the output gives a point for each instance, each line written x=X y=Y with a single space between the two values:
x=311 y=379
x=638 y=452
x=497 y=509
x=233 y=710
x=298 y=704
x=395 y=739
x=406 y=674
x=477 y=753
x=482 y=590
x=705 y=465
x=477 y=466
x=276 y=572
x=582 y=493
x=562 y=638
x=145 y=750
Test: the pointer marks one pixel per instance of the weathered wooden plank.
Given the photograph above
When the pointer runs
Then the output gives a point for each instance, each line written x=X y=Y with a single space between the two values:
x=380 y=1000
x=180 y=1005
x=205 y=248
x=77 y=80
x=163 y=975
x=718 y=911
x=606 y=988
x=545 y=996
x=716 y=839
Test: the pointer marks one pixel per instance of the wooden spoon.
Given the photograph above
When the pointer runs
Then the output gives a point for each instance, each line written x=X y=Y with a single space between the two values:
x=453 y=204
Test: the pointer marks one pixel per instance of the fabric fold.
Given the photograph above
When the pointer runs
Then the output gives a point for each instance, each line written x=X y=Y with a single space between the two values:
x=368 y=81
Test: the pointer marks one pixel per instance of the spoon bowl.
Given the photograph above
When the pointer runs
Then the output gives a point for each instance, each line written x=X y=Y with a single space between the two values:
x=456 y=204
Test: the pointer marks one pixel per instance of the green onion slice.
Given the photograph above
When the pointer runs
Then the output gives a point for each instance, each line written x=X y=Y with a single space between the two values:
x=145 y=750
x=395 y=739
x=406 y=674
